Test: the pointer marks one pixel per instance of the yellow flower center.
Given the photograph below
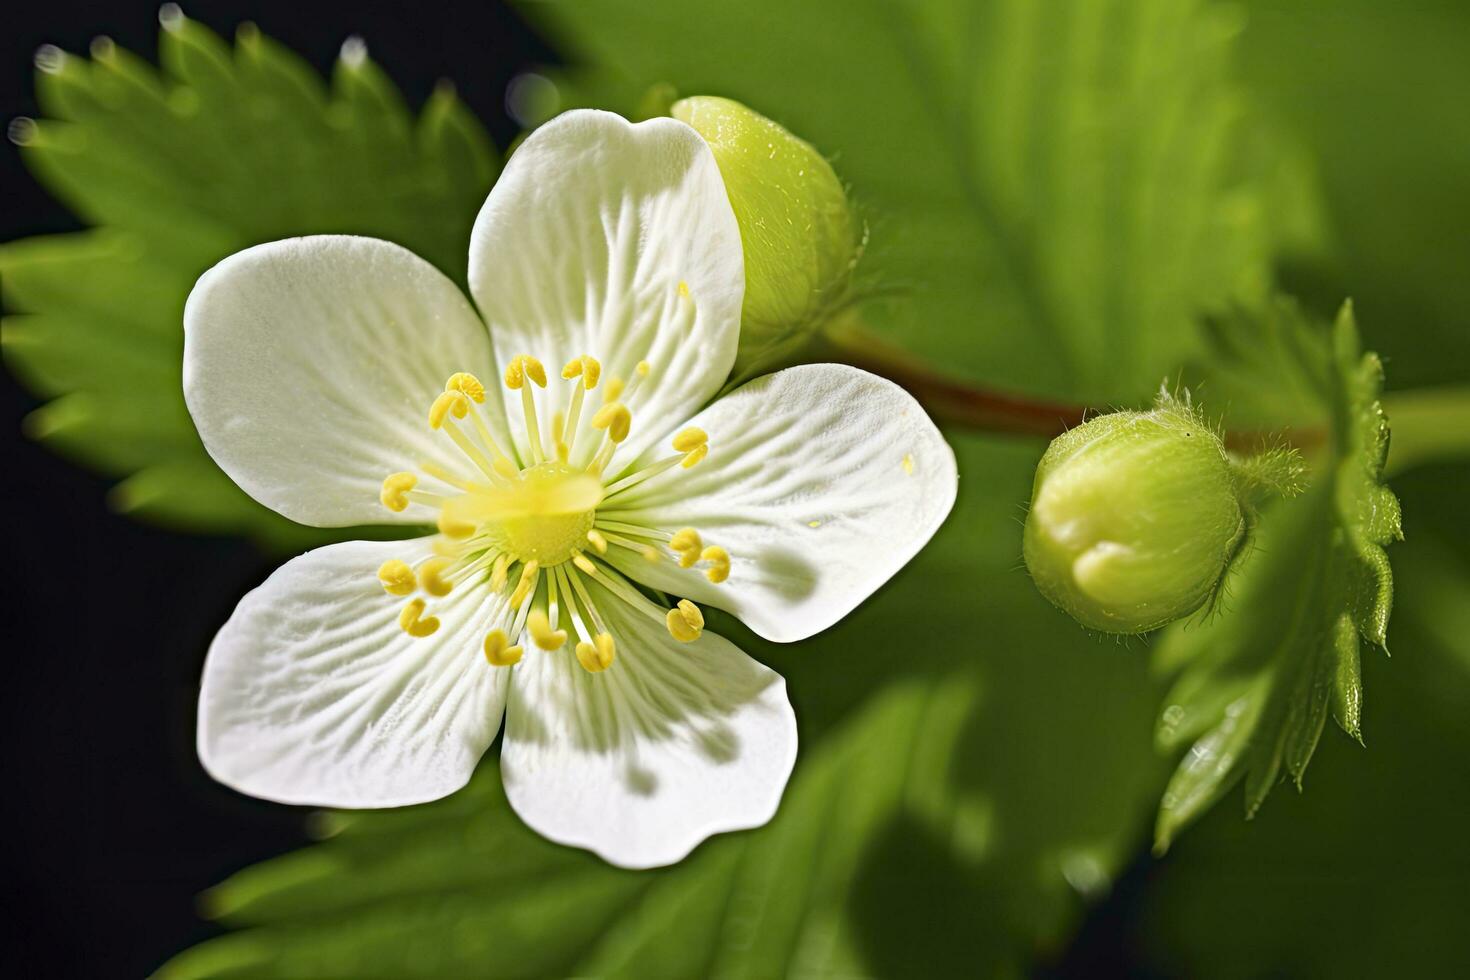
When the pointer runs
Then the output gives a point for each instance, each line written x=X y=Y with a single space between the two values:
x=542 y=516
x=536 y=526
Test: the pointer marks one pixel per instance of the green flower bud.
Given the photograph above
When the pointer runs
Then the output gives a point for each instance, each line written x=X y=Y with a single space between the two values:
x=800 y=241
x=1134 y=519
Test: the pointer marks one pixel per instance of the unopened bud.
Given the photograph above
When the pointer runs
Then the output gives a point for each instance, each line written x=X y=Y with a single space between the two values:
x=1134 y=519
x=798 y=233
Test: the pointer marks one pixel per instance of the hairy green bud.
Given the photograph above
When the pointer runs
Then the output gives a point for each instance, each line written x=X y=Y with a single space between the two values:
x=1134 y=518
x=800 y=240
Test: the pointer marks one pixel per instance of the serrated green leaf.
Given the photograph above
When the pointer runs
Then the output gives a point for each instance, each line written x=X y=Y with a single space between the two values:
x=1055 y=188
x=1260 y=678
x=226 y=147
x=1364 y=876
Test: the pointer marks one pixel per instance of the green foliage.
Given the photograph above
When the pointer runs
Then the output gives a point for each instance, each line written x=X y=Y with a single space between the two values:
x=1259 y=679
x=1364 y=876
x=223 y=149
x=1055 y=188
x=951 y=822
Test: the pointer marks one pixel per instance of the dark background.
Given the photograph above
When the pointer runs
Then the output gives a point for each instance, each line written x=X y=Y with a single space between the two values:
x=114 y=827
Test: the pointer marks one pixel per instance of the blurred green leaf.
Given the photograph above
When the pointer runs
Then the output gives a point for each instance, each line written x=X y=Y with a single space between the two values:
x=961 y=790
x=1376 y=93
x=223 y=149
x=1365 y=875
x=1055 y=188
x=1260 y=678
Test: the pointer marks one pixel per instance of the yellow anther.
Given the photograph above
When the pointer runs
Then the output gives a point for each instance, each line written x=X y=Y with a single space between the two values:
x=396 y=576
x=719 y=560
x=523 y=587
x=615 y=418
x=515 y=376
x=650 y=552
x=497 y=574
x=394 y=494
x=534 y=370
x=573 y=369
x=691 y=613
x=431 y=577
x=642 y=369
x=683 y=289
x=499 y=651
x=687 y=544
x=694 y=456
x=506 y=468
x=613 y=390
x=685 y=622
x=690 y=439
x=466 y=383
x=584 y=563
x=595 y=538
x=591 y=371
x=413 y=621
x=452 y=527
x=540 y=629
x=447 y=402
x=598 y=655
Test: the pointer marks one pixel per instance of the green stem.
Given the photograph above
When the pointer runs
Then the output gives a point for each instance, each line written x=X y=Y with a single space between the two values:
x=1428 y=424
x=948 y=400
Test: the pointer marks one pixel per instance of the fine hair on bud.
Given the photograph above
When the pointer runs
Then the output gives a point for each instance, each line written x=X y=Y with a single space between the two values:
x=1135 y=517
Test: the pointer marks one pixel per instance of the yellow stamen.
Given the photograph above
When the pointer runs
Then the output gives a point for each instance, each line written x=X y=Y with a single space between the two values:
x=540 y=629
x=585 y=367
x=613 y=390
x=615 y=418
x=515 y=375
x=690 y=439
x=497 y=574
x=598 y=655
x=694 y=456
x=584 y=563
x=499 y=651
x=595 y=538
x=466 y=383
x=525 y=585
x=534 y=370
x=687 y=545
x=719 y=559
x=453 y=527
x=431 y=577
x=413 y=621
x=642 y=369
x=448 y=402
x=683 y=289
x=396 y=576
x=685 y=622
x=394 y=494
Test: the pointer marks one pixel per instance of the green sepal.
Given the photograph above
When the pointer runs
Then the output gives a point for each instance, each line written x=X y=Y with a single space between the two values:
x=1259 y=679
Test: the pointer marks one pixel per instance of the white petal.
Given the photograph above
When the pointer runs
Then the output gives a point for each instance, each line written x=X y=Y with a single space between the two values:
x=582 y=245
x=639 y=763
x=312 y=694
x=310 y=365
x=822 y=481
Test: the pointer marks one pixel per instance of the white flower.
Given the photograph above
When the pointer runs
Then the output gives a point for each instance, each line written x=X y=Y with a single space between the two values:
x=357 y=675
